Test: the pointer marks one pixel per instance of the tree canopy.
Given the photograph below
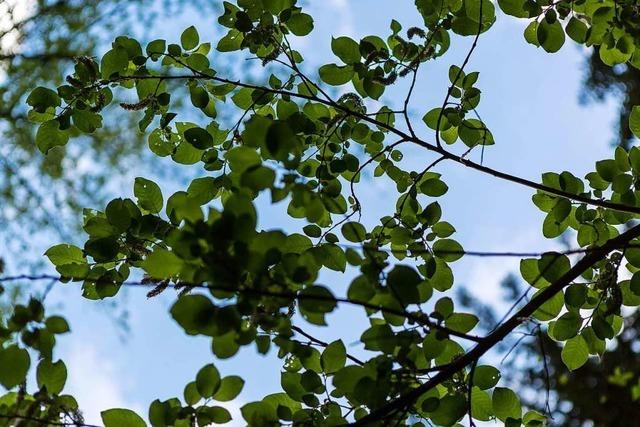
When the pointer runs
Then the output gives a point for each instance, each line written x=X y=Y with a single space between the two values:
x=38 y=43
x=298 y=147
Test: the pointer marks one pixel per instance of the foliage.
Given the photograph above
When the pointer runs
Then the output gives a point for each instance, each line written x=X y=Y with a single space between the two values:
x=242 y=286
x=536 y=364
x=27 y=337
x=39 y=43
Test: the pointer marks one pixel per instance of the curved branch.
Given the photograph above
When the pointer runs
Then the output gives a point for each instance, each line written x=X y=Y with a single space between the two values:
x=503 y=330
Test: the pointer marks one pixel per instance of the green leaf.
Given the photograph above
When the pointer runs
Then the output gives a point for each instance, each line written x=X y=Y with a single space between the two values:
x=203 y=190
x=443 y=229
x=242 y=158
x=575 y=353
x=618 y=51
x=199 y=62
x=433 y=345
x=291 y=384
x=431 y=119
x=231 y=42
x=447 y=249
x=481 y=406
x=346 y=49
x=114 y=61
x=567 y=326
x=162 y=264
x=514 y=8
x=531 y=34
x=335 y=75
x=259 y=414
x=531 y=274
x=300 y=24
x=577 y=30
x=51 y=375
x=450 y=410
x=633 y=256
x=317 y=299
x=550 y=36
x=485 y=377
x=214 y=414
x=634 y=284
x=230 y=388
x=277 y=6
x=258 y=178
x=148 y=194
x=102 y=249
x=87 y=121
x=333 y=257
x=550 y=309
x=49 y=135
x=190 y=394
x=120 y=213
x=434 y=187
x=189 y=38
x=534 y=418
x=57 y=325
x=199 y=138
x=14 y=365
x=42 y=98
x=208 y=380
x=506 y=404
x=473 y=132
x=333 y=357
x=354 y=232
x=194 y=313
x=199 y=97
x=634 y=121
x=456 y=75
x=65 y=254
x=607 y=169
x=312 y=230
x=156 y=47
x=225 y=346
x=461 y=322
x=553 y=265
x=121 y=418
x=403 y=281
x=159 y=144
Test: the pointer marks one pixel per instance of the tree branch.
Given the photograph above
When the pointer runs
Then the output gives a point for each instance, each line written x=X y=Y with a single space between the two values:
x=431 y=147
x=322 y=343
x=503 y=330
x=44 y=56
x=413 y=317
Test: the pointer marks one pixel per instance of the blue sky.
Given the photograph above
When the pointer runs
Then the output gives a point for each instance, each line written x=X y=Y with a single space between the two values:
x=530 y=102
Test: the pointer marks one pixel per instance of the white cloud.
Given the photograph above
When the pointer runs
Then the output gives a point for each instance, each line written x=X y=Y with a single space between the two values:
x=483 y=275
x=98 y=384
x=94 y=381
x=234 y=409
x=342 y=10
x=11 y=12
